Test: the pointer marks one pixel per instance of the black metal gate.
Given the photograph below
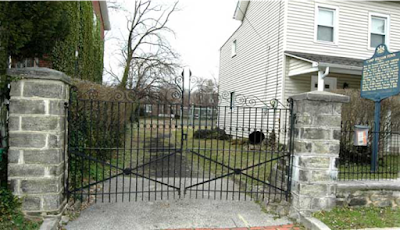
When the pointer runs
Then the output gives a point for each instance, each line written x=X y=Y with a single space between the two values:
x=124 y=149
x=4 y=104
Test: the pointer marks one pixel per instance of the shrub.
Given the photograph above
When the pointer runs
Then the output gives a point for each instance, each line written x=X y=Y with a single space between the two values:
x=216 y=133
x=11 y=216
x=99 y=118
x=100 y=115
x=360 y=111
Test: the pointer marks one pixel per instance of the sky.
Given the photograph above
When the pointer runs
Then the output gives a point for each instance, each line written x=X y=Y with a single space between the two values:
x=201 y=28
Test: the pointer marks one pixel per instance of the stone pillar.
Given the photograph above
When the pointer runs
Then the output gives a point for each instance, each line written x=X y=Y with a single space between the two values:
x=316 y=150
x=37 y=127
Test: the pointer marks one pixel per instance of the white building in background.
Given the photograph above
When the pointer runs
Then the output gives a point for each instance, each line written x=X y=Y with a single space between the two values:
x=289 y=47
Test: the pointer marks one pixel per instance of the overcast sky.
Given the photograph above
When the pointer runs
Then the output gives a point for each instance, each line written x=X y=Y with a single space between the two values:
x=201 y=27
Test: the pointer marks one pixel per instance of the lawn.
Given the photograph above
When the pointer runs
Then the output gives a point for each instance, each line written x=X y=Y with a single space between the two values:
x=358 y=218
x=204 y=158
x=389 y=168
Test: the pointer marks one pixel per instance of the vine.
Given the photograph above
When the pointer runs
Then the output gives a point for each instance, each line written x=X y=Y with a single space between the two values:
x=84 y=37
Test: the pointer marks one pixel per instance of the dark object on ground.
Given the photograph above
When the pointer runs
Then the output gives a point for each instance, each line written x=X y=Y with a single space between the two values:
x=216 y=133
x=256 y=137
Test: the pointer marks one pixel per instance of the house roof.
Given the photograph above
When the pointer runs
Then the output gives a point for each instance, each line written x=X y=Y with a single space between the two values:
x=325 y=59
x=240 y=10
x=104 y=15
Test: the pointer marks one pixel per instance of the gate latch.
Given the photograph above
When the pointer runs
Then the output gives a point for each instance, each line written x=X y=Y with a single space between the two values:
x=184 y=136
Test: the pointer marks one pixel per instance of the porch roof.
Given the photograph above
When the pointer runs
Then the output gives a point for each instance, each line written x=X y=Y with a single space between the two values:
x=336 y=64
x=329 y=59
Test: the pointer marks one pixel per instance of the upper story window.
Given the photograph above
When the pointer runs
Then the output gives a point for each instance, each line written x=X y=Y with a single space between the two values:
x=326 y=24
x=234 y=46
x=379 y=30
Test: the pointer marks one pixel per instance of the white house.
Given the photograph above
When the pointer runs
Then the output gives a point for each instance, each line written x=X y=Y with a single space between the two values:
x=288 y=47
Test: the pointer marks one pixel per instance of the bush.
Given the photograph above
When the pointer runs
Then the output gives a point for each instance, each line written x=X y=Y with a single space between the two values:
x=11 y=216
x=216 y=133
x=101 y=114
x=99 y=117
x=360 y=111
x=23 y=20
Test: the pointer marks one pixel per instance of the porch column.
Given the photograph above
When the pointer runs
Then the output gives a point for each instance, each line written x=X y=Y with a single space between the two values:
x=37 y=128
x=321 y=77
x=316 y=150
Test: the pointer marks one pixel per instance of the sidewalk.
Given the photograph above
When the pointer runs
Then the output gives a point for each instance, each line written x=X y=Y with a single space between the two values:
x=281 y=227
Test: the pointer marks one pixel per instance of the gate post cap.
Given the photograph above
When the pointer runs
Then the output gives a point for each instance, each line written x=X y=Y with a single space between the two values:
x=39 y=73
x=321 y=96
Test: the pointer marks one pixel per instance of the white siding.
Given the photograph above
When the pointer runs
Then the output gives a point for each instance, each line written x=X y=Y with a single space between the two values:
x=302 y=83
x=353 y=22
x=256 y=70
x=294 y=65
x=297 y=84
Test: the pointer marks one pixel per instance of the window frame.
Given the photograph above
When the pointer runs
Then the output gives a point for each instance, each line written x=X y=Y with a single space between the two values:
x=330 y=80
x=234 y=48
x=335 y=10
x=387 y=28
x=232 y=100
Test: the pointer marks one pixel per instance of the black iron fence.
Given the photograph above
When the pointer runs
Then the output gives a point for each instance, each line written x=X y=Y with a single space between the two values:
x=355 y=162
x=4 y=96
x=124 y=150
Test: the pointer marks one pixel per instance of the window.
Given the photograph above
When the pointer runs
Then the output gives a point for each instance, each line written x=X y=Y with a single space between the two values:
x=234 y=48
x=330 y=83
x=378 y=30
x=232 y=100
x=326 y=24
x=148 y=108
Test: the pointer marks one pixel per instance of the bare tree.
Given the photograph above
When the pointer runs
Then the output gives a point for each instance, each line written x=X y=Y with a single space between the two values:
x=206 y=92
x=148 y=59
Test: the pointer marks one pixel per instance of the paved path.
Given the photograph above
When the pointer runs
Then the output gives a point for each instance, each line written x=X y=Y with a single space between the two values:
x=281 y=227
x=182 y=213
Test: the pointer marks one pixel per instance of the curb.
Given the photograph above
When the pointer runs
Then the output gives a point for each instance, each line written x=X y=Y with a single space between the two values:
x=50 y=224
x=312 y=223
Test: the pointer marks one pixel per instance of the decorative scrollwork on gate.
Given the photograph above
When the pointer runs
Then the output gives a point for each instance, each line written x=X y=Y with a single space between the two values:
x=112 y=95
x=250 y=101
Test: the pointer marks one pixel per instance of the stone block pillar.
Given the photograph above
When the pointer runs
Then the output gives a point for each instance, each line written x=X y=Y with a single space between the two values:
x=316 y=150
x=37 y=128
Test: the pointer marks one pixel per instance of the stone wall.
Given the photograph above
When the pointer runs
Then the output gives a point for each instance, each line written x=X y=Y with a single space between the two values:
x=368 y=193
x=316 y=149
x=37 y=128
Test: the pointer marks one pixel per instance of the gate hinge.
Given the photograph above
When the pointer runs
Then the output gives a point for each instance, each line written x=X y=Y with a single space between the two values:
x=66 y=105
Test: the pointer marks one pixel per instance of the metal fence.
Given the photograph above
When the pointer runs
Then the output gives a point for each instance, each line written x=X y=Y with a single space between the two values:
x=4 y=96
x=355 y=162
x=122 y=150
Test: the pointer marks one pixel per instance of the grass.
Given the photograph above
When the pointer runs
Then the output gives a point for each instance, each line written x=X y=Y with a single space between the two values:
x=357 y=218
x=237 y=154
x=11 y=216
x=389 y=168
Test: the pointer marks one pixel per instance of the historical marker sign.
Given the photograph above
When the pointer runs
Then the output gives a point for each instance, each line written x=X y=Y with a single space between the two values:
x=380 y=80
x=380 y=76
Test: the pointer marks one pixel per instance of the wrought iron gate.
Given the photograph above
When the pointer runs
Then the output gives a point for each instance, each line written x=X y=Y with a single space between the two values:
x=124 y=149
x=4 y=104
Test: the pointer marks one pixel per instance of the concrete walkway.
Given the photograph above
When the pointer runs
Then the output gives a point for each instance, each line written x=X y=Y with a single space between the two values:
x=281 y=227
x=174 y=214
x=177 y=213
